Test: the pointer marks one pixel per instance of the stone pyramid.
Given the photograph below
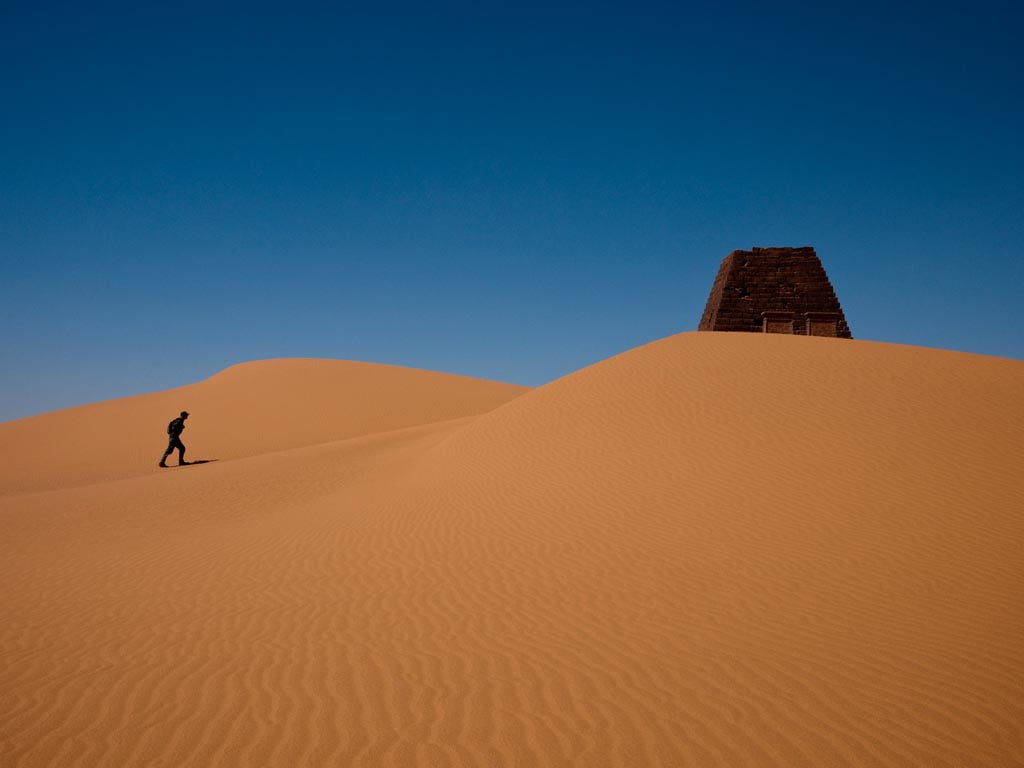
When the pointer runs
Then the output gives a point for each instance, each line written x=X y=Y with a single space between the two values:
x=774 y=290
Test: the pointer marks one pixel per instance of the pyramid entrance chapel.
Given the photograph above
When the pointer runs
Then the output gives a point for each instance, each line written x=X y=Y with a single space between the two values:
x=774 y=290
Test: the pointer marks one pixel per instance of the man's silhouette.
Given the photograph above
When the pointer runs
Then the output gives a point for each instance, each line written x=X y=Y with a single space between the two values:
x=174 y=430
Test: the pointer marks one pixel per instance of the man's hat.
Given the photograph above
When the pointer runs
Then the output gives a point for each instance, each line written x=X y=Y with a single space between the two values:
x=184 y=413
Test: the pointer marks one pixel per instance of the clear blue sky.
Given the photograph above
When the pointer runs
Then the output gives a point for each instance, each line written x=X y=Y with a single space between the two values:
x=504 y=190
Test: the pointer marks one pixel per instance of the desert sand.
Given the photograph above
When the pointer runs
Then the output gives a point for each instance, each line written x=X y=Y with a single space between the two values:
x=712 y=550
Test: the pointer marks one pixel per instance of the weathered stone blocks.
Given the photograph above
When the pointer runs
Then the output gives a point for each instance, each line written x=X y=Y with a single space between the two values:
x=774 y=290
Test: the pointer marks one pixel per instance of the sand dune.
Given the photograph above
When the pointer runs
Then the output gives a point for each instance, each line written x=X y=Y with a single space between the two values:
x=713 y=550
x=246 y=410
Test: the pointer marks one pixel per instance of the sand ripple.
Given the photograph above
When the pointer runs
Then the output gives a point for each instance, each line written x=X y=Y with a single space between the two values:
x=714 y=550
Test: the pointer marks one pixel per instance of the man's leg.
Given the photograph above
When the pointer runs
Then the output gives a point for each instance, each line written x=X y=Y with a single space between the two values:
x=170 y=447
x=181 y=451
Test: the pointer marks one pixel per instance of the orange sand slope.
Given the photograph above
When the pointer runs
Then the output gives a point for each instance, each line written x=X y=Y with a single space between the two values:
x=713 y=550
x=248 y=409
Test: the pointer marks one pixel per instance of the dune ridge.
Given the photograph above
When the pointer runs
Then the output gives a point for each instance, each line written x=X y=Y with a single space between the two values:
x=712 y=550
x=245 y=410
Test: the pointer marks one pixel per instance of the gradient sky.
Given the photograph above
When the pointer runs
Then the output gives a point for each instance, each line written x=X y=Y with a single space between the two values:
x=504 y=190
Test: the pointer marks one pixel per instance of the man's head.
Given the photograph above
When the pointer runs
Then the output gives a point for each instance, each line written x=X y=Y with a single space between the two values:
x=184 y=414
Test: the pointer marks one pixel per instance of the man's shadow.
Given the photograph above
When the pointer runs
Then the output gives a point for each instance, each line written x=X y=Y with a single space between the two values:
x=199 y=461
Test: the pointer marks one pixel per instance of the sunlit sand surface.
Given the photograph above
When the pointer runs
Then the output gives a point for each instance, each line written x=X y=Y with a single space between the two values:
x=713 y=550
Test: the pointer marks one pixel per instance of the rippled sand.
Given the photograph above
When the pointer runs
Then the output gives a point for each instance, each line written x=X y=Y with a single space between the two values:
x=713 y=550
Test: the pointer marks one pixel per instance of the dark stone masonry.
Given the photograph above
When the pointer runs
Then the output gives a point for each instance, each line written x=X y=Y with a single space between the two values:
x=774 y=290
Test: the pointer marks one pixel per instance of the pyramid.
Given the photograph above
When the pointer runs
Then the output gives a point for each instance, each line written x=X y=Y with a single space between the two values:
x=774 y=290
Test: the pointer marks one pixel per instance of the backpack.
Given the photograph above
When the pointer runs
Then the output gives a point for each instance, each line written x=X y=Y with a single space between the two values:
x=170 y=427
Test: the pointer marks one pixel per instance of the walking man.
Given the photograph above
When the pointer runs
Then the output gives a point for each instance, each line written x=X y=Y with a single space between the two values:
x=174 y=430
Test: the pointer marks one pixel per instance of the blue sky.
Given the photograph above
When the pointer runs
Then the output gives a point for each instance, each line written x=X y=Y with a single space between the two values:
x=504 y=190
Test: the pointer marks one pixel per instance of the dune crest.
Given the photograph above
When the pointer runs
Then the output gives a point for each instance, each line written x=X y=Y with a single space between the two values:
x=712 y=550
x=245 y=410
